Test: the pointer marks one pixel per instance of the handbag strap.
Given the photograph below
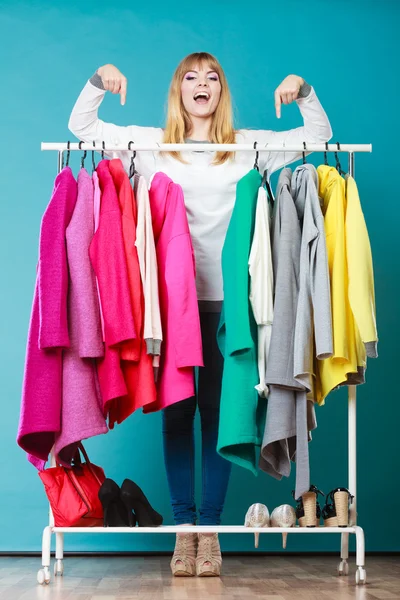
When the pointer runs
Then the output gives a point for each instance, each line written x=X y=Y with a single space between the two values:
x=85 y=456
x=78 y=462
x=74 y=480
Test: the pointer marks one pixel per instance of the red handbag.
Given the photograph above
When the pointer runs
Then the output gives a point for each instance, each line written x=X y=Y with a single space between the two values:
x=73 y=492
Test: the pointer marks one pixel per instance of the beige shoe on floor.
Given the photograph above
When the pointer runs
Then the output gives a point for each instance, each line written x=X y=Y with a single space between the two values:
x=209 y=560
x=183 y=562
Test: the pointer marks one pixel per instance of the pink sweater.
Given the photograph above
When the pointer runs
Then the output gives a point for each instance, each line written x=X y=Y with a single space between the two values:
x=82 y=410
x=48 y=330
x=182 y=345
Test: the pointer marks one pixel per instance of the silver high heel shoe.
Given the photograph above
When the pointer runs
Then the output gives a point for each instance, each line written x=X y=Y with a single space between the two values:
x=257 y=516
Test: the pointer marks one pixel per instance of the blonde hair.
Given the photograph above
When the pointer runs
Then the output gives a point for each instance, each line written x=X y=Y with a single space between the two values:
x=178 y=124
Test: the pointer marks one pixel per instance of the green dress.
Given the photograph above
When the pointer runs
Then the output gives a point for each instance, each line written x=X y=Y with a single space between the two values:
x=242 y=411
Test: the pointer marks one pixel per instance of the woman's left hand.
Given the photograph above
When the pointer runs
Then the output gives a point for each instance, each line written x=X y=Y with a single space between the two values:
x=287 y=92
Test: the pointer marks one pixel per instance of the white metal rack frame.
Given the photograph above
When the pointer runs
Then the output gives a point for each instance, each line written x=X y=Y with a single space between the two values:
x=43 y=575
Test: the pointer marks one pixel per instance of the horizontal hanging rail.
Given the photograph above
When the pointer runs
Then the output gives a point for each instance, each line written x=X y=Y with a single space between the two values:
x=62 y=146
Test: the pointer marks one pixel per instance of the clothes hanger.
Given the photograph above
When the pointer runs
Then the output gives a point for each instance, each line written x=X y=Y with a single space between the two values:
x=304 y=153
x=102 y=152
x=265 y=183
x=255 y=166
x=338 y=165
x=132 y=168
x=326 y=155
x=83 y=156
x=68 y=154
x=93 y=162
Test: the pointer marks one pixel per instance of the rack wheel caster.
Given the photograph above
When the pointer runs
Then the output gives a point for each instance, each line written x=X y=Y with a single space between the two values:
x=59 y=568
x=43 y=576
x=361 y=576
x=343 y=568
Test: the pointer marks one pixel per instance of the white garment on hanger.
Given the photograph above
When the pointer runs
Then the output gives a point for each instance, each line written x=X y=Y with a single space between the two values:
x=146 y=251
x=262 y=284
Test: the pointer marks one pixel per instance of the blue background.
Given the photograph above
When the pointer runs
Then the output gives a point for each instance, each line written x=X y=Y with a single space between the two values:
x=347 y=51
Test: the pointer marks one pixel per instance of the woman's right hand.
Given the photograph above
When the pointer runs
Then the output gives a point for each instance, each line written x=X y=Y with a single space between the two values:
x=113 y=80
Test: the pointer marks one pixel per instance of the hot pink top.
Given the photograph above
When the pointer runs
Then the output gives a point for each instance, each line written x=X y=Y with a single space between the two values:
x=107 y=255
x=96 y=215
x=182 y=345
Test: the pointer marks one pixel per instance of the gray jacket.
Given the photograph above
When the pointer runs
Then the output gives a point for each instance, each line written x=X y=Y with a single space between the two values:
x=313 y=328
x=289 y=415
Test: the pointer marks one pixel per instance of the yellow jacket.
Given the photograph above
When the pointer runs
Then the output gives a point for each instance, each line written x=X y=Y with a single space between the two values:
x=333 y=371
x=360 y=271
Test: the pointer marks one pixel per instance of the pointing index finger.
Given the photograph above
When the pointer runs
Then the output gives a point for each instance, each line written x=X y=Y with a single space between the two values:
x=278 y=103
x=123 y=91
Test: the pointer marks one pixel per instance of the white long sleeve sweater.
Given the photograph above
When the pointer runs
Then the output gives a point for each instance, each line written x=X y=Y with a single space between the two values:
x=209 y=190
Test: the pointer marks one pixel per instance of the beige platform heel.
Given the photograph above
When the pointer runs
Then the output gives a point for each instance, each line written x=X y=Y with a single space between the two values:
x=209 y=559
x=183 y=562
x=308 y=510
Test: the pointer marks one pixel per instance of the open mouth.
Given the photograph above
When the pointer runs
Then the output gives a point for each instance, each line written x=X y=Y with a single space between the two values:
x=201 y=97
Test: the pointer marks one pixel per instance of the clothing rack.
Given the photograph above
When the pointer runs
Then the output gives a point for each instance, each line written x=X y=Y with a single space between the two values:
x=43 y=575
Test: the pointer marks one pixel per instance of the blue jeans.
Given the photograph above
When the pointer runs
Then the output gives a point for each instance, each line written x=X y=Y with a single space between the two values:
x=178 y=439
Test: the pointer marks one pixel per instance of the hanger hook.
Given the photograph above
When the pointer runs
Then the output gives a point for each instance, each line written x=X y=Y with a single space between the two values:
x=304 y=153
x=83 y=156
x=93 y=163
x=338 y=166
x=68 y=153
x=256 y=160
x=132 y=168
x=326 y=154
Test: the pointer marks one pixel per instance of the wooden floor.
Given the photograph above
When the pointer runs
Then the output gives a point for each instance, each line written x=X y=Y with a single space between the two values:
x=243 y=578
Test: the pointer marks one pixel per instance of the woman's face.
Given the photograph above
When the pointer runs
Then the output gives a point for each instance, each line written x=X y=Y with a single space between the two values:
x=201 y=90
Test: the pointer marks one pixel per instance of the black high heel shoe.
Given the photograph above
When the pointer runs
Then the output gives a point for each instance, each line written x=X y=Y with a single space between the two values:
x=134 y=499
x=115 y=512
x=329 y=512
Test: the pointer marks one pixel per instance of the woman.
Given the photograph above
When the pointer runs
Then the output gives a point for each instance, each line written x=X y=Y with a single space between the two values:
x=199 y=110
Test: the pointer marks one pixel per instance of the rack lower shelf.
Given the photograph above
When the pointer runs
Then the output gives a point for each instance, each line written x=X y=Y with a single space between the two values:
x=44 y=576
x=204 y=529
